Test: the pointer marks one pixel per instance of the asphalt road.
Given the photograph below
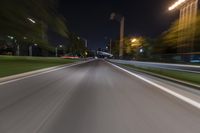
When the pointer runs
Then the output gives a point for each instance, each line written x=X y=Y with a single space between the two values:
x=93 y=97
x=178 y=67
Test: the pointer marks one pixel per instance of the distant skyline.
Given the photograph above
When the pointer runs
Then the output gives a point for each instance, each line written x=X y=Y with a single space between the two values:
x=91 y=19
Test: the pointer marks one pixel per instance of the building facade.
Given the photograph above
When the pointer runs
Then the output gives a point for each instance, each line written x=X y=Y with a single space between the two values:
x=188 y=14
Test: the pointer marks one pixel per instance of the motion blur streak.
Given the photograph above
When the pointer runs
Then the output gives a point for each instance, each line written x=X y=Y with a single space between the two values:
x=93 y=97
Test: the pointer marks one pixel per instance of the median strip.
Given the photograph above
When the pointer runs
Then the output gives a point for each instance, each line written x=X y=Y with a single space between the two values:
x=42 y=71
x=12 y=65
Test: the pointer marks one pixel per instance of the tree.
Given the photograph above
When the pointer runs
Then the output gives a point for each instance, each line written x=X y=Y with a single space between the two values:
x=77 y=45
x=15 y=20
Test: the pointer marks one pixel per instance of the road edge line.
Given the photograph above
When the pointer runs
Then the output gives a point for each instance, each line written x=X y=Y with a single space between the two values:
x=173 y=93
x=185 y=83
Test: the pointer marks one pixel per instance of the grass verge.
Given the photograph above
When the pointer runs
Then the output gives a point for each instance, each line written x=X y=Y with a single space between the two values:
x=183 y=76
x=10 y=65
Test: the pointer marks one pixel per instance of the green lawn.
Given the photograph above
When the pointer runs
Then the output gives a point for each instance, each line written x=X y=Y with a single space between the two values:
x=184 y=76
x=10 y=65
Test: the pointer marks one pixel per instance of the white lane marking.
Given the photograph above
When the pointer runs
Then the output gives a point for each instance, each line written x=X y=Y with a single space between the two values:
x=38 y=74
x=154 y=63
x=184 y=98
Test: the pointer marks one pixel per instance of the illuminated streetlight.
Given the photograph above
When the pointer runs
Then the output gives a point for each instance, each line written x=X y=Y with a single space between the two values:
x=11 y=37
x=176 y=4
x=133 y=40
x=56 y=49
x=31 y=20
x=86 y=53
x=86 y=41
x=141 y=50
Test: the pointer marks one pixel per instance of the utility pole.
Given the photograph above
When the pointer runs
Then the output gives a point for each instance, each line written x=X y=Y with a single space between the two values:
x=85 y=40
x=30 y=50
x=110 y=46
x=18 y=50
x=56 y=51
x=86 y=43
x=121 y=19
x=121 y=51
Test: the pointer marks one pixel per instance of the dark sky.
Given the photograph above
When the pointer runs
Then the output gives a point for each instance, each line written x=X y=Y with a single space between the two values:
x=90 y=19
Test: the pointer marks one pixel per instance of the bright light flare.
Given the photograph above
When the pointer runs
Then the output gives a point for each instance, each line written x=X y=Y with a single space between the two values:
x=176 y=4
x=133 y=40
x=31 y=20
x=141 y=50
x=11 y=37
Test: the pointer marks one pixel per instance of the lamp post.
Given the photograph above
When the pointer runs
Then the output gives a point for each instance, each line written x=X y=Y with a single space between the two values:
x=121 y=19
x=135 y=42
x=56 y=49
x=31 y=20
x=15 y=41
x=18 y=50
x=31 y=49
x=110 y=46
x=85 y=40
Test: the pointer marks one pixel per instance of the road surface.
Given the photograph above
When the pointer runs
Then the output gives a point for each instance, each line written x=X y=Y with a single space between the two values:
x=93 y=97
x=177 y=67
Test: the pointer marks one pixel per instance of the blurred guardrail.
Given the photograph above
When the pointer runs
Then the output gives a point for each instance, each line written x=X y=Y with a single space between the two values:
x=172 y=58
x=168 y=66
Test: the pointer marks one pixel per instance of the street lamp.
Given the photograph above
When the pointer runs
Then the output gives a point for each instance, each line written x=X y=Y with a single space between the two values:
x=11 y=37
x=110 y=46
x=176 y=4
x=18 y=48
x=133 y=40
x=31 y=20
x=86 y=42
x=56 y=49
x=31 y=49
x=141 y=50
x=121 y=19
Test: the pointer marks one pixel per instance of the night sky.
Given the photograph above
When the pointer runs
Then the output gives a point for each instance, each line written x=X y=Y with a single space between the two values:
x=90 y=19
